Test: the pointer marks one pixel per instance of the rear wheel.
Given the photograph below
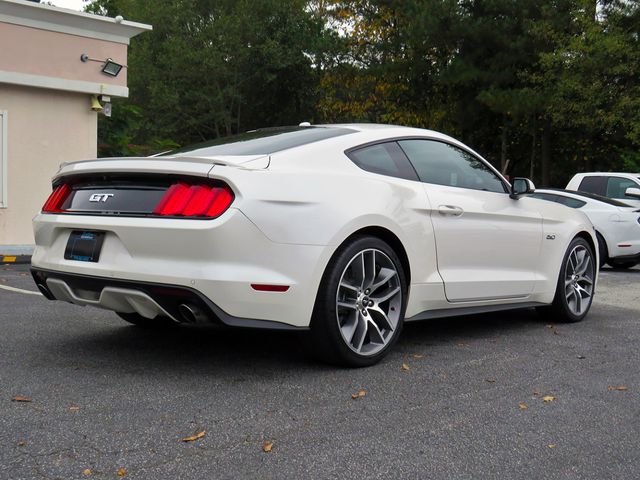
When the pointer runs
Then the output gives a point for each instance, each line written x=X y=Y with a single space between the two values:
x=360 y=306
x=144 y=322
x=576 y=284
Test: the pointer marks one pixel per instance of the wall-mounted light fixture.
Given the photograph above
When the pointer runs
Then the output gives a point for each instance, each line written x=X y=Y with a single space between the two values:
x=109 y=67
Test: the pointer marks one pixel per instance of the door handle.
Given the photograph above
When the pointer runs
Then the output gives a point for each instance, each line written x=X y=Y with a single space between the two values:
x=450 y=210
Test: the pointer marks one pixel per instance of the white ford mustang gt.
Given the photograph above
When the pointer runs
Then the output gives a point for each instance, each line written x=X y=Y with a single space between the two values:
x=346 y=230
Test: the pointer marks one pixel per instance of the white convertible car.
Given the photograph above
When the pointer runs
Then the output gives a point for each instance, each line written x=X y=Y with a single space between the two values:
x=346 y=230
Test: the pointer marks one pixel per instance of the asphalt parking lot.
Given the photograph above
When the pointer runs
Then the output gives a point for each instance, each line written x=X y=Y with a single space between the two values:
x=108 y=400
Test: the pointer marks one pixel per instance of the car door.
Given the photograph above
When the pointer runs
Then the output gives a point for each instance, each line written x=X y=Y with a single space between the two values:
x=487 y=243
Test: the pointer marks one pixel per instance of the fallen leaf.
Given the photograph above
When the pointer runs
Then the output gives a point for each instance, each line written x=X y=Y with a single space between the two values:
x=536 y=392
x=86 y=471
x=556 y=332
x=358 y=394
x=490 y=380
x=417 y=356
x=551 y=326
x=121 y=472
x=548 y=398
x=20 y=398
x=195 y=437
x=405 y=367
x=523 y=406
x=620 y=388
x=21 y=443
x=74 y=408
x=267 y=446
x=462 y=344
x=552 y=445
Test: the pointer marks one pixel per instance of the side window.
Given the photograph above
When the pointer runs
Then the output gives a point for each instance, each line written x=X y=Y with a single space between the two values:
x=443 y=164
x=595 y=185
x=385 y=159
x=570 y=202
x=616 y=186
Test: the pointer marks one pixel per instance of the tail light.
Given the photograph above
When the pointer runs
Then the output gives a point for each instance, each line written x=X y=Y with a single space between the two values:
x=56 y=199
x=186 y=200
x=181 y=199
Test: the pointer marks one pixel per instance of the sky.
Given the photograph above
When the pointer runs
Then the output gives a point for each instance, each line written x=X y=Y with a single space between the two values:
x=71 y=4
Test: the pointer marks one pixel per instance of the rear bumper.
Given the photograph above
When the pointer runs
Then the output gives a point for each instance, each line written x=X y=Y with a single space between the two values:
x=214 y=261
x=144 y=298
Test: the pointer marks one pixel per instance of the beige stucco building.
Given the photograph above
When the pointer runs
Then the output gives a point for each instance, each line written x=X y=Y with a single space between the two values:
x=51 y=63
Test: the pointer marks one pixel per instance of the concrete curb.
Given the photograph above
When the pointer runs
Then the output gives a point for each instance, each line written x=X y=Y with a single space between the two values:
x=15 y=259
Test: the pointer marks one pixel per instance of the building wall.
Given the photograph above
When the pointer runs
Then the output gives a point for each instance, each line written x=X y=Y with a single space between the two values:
x=54 y=54
x=45 y=128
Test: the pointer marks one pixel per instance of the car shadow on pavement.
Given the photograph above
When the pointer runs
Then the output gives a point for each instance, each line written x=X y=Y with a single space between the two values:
x=210 y=348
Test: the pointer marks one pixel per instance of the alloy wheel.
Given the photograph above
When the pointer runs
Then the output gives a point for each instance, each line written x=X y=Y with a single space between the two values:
x=368 y=302
x=578 y=283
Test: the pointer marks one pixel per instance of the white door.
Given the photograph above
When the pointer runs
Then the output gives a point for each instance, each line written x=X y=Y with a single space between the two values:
x=488 y=244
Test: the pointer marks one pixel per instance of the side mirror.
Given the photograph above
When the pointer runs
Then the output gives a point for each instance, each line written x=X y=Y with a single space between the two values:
x=521 y=186
x=632 y=192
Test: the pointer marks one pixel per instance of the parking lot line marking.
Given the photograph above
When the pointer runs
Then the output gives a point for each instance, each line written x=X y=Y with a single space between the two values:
x=19 y=290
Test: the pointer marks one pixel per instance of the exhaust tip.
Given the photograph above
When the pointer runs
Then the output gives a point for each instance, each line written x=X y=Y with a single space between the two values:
x=45 y=292
x=190 y=313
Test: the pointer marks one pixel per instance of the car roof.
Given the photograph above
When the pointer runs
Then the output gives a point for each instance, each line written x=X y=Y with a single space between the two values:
x=607 y=174
x=266 y=141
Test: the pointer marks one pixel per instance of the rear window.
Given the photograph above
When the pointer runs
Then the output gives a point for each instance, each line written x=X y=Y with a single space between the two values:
x=262 y=142
x=567 y=201
x=600 y=198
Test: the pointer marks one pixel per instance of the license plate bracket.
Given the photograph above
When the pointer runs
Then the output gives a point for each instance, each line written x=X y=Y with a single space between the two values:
x=84 y=246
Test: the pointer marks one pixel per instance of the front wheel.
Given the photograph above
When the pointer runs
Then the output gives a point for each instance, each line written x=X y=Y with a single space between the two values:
x=576 y=284
x=360 y=305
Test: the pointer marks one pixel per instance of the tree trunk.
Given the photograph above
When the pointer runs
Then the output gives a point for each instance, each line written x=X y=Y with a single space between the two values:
x=534 y=139
x=546 y=154
x=503 y=150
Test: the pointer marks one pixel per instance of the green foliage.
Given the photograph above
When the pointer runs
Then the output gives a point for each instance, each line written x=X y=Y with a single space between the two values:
x=544 y=86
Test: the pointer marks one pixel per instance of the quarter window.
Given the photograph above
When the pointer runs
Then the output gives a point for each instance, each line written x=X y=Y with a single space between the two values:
x=385 y=159
x=616 y=186
x=444 y=164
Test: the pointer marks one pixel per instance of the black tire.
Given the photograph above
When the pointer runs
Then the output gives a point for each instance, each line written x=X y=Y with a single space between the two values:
x=603 y=251
x=330 y=322
x=561 y=310
x=143 y=322
x=623 y=265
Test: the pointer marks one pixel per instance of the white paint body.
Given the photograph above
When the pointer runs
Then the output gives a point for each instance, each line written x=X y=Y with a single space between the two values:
x=574 y=184
x=617 y=225
x=292 y=211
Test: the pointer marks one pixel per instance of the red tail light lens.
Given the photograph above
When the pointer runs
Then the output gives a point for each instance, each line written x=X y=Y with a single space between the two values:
x=56 y=199
x=185 y=200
